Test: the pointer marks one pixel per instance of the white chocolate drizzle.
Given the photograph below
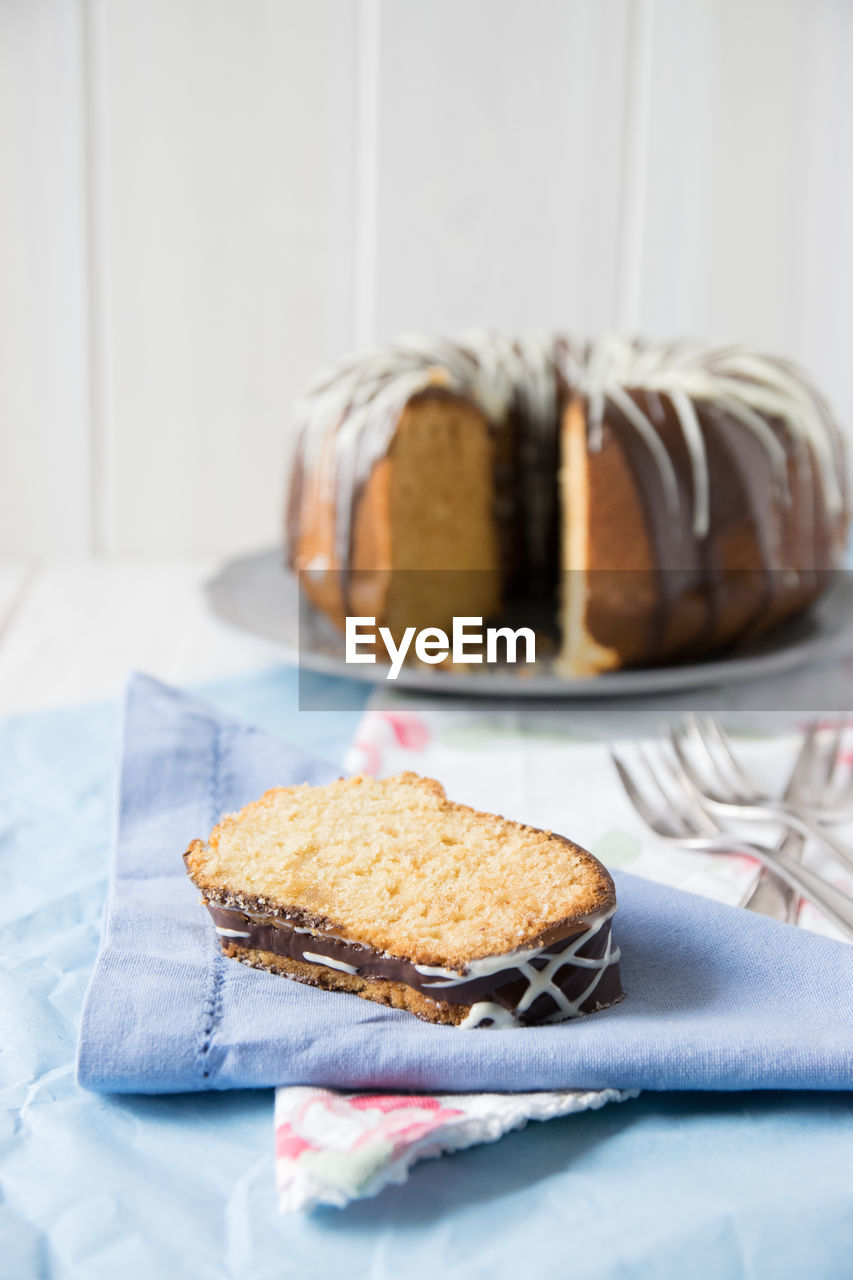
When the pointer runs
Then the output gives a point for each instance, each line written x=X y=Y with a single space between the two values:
x=487 y=1013
x=314 y=958
x=540 y=981
x=353 y=408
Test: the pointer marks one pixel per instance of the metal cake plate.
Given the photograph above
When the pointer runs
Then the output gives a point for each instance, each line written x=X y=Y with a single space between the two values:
x=257 y=594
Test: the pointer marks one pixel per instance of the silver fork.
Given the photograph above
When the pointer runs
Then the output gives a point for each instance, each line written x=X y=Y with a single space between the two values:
x=834 y=803
x=811 y=780
x=678 y=816
x=728 y=792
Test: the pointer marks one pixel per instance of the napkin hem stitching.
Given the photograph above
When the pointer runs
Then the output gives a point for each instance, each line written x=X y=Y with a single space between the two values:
x=215 y=1003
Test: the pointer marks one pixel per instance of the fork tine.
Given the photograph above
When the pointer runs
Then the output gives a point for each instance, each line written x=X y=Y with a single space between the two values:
x=716 y=778
x=680 y=800
x=832 y=755
x=843 y=792
x=654 y=774
x=844 y=796
x=693 y=774
x=652 y=818
x=699 y=821
x=683 y=814
x=713 y=730
x=694 y=734
x=804 y=767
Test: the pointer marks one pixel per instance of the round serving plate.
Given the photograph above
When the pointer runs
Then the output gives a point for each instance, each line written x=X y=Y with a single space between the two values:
x=257 y=594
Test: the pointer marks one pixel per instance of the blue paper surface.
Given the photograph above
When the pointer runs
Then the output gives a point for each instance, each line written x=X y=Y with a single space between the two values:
x=716 y=998
x=671 y=1185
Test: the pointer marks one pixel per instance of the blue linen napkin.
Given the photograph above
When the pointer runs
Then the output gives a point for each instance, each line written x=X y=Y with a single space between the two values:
x=716 y=998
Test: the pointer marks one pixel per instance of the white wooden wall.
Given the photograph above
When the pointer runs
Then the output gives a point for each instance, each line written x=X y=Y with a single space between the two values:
x=205 y=199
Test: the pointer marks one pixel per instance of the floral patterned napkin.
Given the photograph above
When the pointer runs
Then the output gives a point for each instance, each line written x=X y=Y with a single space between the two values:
x=334 y=1147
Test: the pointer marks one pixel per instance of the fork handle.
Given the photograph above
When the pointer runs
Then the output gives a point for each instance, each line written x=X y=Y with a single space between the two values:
x=834 y=904
x=771 y=895
x=813 y=830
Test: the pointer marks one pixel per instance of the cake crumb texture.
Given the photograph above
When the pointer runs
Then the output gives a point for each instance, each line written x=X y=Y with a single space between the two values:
x=395 y=865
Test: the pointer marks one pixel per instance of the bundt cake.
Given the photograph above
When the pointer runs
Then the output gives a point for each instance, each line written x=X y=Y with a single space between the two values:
x=668 y=498
x=388 y=890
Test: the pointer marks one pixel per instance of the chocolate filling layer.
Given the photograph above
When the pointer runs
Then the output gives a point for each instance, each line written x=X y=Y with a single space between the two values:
x=588 y=980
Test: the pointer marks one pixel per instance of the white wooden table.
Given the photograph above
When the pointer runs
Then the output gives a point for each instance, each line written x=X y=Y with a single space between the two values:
x=70 y=630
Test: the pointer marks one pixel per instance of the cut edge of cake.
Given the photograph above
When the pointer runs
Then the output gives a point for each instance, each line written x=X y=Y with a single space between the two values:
x=569 y=966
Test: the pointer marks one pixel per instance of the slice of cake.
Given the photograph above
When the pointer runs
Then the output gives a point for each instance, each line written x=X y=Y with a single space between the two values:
x=390 y=891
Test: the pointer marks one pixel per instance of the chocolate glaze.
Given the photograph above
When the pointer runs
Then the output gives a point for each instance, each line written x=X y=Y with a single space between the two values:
x=741 y=491
x=750 y=412
x=505 y=987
